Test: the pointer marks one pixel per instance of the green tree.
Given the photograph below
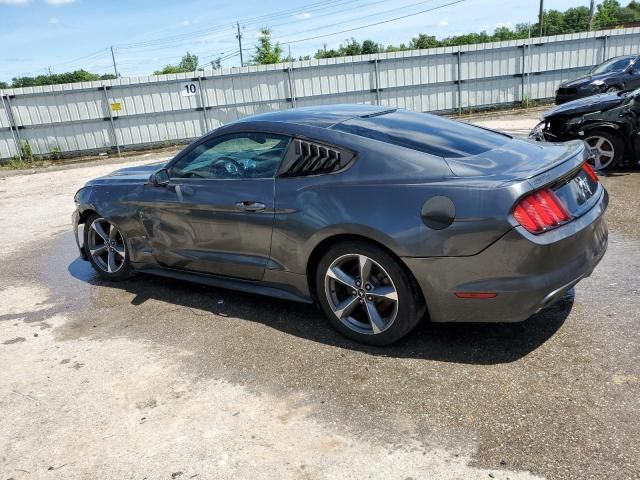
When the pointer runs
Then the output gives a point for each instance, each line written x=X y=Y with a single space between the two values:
x=266 y=52
x=189 y=62
x=575 y=20
x=608 y=14
x=4 y=85
x=369 y=47
x=58 y=78
x=423 y=41
x=352 y=47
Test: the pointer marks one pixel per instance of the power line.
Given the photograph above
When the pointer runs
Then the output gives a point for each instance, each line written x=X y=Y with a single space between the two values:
x=377 y=14
x=374 y=24
x=226 y=26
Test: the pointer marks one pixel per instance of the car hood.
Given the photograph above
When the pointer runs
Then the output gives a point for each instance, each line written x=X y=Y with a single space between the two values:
x=517 y=159
x=137 y=174
x=585 y=80
x=595 y=103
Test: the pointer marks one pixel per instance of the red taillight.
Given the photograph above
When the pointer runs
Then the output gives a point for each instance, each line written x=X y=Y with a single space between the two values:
x=589 y=171
x=541 y=211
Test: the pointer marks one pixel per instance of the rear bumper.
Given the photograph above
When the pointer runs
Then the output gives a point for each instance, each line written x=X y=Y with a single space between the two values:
x=527 y=272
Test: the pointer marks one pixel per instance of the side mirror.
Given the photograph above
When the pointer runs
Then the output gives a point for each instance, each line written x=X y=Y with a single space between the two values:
x=159 y=178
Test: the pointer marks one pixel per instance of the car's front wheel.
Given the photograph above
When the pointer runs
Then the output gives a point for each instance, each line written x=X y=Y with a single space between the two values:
x=106 y=249
x=366 y=294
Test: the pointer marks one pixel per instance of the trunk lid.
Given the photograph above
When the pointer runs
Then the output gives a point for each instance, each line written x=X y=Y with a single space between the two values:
x=517 y=160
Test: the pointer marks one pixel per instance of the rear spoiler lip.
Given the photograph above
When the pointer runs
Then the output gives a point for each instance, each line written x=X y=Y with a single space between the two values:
x=564 y=167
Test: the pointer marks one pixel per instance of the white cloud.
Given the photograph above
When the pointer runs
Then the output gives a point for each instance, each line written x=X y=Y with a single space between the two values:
x=504 y=24
x=14 y=2
x=185 y=23
x=53 y=21
x=303 y=16
x=443 y=23
x=57 y=3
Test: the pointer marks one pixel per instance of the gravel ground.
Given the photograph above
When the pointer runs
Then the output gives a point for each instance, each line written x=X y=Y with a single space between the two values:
x=154 y=378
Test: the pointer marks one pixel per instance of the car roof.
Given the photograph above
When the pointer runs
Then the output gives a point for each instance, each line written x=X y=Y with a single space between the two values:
x=323 y=116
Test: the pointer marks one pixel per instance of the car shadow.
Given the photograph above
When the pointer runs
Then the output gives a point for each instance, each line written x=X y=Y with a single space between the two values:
x=469 y=343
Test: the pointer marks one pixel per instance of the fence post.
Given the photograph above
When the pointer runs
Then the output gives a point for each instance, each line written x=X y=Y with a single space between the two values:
x=113 y=126
x=377 y=79
x=12 y=126
x=605 y=47
x=290 y=80
x=12 y=121
x=204 y=104
x=459 y=82
x=524 y=99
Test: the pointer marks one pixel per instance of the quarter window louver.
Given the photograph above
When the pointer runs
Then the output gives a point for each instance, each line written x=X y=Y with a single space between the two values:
x=314 y=159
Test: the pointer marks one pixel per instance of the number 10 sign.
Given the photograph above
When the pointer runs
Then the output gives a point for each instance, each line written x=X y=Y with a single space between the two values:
x=188 y=89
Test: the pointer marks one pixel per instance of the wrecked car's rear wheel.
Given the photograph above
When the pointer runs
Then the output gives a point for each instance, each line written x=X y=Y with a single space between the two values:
x=106 y=249
x=605 y=149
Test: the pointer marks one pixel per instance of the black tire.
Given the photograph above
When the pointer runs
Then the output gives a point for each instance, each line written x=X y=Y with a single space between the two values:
x=386 y=273
x=124 y=270
x=613 y=89
x=615 y=142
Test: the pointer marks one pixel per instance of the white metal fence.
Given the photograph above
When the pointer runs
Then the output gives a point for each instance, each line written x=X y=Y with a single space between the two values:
x=144 y=111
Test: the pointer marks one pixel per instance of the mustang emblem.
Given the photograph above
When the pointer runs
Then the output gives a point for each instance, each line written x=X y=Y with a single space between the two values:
x=584 y=189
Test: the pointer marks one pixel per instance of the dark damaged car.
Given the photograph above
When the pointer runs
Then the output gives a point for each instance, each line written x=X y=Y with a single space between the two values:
x=614 y=75
x=609 y=123
x=381 y=216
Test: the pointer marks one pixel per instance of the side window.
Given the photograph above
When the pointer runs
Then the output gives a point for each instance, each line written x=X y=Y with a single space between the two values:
x=240 y=155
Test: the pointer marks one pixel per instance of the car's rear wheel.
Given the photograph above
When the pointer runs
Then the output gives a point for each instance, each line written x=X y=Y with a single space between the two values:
x=605 y=148
x=613 y=89
x=366 y=294
x=106 y=249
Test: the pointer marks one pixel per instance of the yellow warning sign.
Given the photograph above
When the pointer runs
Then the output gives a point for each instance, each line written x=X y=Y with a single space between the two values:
x=116 y=107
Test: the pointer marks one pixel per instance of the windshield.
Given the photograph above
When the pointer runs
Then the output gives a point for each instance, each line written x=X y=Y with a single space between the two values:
x=613 y=65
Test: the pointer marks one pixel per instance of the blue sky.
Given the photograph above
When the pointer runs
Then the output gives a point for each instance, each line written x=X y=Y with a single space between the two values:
x=147 y=34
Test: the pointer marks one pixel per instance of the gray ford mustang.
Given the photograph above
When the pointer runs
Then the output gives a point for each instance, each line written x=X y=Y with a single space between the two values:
x=381 y=216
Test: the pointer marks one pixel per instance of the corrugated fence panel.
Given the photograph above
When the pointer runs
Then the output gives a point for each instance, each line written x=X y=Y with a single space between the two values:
x=87 y=136
x=164 y=128
x=142 y=111
x=57 y=107
x=7 y=144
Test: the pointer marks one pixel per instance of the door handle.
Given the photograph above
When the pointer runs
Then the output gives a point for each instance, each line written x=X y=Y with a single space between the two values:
x=250 y=206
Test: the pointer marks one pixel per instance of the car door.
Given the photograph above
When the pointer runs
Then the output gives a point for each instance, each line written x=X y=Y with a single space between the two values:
x=215 y=213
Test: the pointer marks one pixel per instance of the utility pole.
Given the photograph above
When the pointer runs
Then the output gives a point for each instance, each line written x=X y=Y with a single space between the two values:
x=50 y=74
x=239 y=37
x=541 y=16
x=113 y=57
x=591 y=9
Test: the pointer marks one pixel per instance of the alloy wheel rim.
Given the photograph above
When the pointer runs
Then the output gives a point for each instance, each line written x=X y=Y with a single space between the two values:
x=602 y=152
x=106 y=246
x=361 y=294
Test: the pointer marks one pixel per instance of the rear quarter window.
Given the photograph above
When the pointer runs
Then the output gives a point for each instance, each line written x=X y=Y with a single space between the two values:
x=426 y=133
